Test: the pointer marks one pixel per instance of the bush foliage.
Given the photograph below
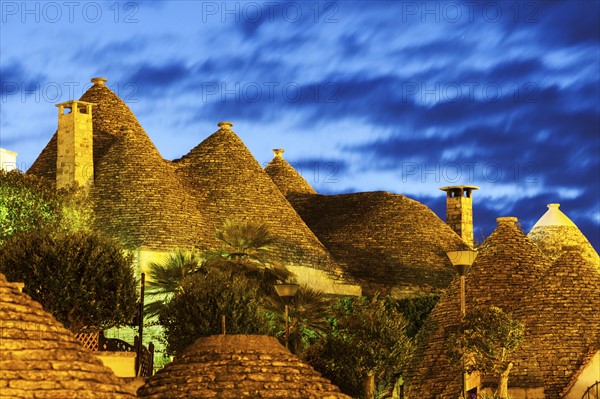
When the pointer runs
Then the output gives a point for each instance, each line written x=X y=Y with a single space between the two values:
x=196 y=310
x=28 y=203
x=368 y=336
x=85 y=280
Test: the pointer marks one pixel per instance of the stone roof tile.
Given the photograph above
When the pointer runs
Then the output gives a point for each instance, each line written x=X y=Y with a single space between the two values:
x=238 y=366
x=391 y=243
x=42 y=359
x=507 y=265
x=139 y=198
x=561 y=315
x=229 y=183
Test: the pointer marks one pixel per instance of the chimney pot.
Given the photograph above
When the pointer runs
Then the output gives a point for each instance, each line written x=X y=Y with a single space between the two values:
x=459 y=211
x=99 y=81
x=278 y=152
x=511 y=220
x=225 y=125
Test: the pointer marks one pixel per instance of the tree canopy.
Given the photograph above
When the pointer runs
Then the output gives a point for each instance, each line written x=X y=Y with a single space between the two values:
x=368 y=342
x=29 y=203
x=247 y=246
x=308 y=311
x=485 y=342
x=197 y=309
x=166 y=278
x=84 y=279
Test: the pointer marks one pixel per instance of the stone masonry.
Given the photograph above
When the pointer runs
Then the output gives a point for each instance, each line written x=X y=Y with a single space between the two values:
x=74 y=161
x=238 y=366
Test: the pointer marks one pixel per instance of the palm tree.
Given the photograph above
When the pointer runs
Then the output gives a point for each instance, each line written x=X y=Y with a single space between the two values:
x=246 y=240
x=247 y=245
x=165 y=278
x=309 y=310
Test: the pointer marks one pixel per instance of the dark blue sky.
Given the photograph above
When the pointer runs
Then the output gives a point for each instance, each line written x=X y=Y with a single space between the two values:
x=401 y=96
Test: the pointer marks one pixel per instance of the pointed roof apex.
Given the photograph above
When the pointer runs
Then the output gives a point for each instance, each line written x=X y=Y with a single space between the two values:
x=508 y=220
x=554 y=217
x=287 y=179
x=225 y=125
x=99 y=81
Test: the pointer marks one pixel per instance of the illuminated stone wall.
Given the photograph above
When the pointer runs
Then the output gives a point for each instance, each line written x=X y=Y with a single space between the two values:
x=8 y=160
x=74 y=162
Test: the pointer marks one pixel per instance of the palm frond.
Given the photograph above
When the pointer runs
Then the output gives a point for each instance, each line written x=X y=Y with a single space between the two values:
x=245 y=239
x=166 y=277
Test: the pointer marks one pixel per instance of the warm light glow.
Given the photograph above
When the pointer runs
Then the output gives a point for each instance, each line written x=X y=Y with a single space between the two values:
x=286 y=290
x=462 y=260
x=466 y=257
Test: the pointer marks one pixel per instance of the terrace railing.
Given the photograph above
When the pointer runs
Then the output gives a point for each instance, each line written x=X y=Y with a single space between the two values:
x=592 y=392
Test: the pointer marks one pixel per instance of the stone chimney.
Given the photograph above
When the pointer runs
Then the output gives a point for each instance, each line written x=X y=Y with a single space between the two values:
x=75 y=157
x=459 y=211
x=8 y=160
x=507 y=220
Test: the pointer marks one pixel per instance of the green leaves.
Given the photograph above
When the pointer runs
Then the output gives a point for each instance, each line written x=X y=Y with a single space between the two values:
x=29 y=203
x=485 y=341
x=369 y=337
x=196 y=310
x=85 y=280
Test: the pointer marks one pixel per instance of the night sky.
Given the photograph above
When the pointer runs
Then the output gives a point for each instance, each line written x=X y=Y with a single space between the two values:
x=400 y=96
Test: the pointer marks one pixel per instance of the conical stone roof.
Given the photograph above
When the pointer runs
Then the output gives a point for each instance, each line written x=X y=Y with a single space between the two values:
x=238 y=366
x=554 y=230
x=230 y=184
x=39 y=358
x=285 y=177
x=139 y=198
x=109 y=115
x=507 y=265
x=391 y=243
x=562 y=324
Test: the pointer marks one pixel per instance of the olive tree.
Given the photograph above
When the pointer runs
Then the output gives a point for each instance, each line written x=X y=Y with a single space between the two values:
x=485 y=342
x=368 y=342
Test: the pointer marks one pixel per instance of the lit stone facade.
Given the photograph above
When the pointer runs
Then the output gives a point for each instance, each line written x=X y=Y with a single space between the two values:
x=74 y=161
x=459 y=210
x=339 y=244
x=8 y=160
